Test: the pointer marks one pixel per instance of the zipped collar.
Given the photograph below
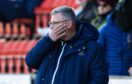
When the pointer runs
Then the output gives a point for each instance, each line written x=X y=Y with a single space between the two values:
x=84 y=32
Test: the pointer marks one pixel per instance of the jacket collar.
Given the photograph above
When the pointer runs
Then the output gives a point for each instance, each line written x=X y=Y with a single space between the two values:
x=84 y=32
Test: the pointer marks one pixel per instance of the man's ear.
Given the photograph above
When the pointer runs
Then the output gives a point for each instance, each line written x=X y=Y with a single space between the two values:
x=69 y=24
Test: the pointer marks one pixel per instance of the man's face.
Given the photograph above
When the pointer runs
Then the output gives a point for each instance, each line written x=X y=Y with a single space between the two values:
x=103 y=8
x=57 y=20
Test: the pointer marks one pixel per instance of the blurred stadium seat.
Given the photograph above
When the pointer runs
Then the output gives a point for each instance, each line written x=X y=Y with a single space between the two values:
x=12 y=55
x=1 y=30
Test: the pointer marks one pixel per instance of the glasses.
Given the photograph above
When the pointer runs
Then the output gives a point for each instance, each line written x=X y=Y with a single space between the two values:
x=54 y=23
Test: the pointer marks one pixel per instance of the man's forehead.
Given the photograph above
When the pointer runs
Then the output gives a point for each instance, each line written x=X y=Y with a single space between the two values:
x=57 y=17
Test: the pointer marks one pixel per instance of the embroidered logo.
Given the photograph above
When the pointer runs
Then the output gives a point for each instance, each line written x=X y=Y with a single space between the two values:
x=82 y=51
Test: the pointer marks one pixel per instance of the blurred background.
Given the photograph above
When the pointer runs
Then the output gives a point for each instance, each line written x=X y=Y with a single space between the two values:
x=24 y=22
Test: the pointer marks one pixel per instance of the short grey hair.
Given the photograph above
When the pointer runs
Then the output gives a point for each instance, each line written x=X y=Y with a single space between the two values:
x=66 y=11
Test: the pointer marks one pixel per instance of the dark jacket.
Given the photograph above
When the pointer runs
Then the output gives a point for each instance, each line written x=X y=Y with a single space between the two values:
x=116 y=46
x=77 y=61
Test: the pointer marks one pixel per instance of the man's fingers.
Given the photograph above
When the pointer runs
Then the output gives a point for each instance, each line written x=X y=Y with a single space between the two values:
x=63 y=34
x=57 y=32
x=60 y=31
x=59 y=28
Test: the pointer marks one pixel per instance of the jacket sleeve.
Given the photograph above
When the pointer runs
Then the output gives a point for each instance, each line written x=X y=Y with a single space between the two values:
x=35 y=56
x=99 y=72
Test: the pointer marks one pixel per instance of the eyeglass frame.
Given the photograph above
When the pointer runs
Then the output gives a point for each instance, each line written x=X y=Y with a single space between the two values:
x=52 y=23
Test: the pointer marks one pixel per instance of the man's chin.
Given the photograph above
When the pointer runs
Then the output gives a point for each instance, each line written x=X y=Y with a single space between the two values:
x=64 y=39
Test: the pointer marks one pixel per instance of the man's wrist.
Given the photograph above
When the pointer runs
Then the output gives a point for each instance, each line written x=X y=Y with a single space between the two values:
x=50 y=36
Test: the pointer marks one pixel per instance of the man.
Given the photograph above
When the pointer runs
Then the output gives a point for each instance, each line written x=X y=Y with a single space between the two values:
x=116 y=37
x=69 y=54
x=104 y=8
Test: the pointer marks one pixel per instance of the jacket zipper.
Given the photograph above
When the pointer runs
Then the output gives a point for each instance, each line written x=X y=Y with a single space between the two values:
x=58 y=62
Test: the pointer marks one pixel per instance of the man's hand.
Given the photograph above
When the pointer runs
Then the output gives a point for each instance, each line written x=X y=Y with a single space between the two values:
x=57 y=32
